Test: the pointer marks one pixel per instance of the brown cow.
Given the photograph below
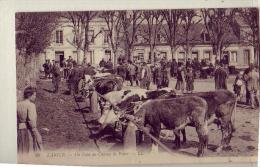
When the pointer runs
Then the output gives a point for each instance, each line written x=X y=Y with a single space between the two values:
x=221 y=108
x=175 y=113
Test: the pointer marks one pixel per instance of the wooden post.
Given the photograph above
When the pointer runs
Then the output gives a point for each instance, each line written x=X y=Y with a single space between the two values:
x=94 y=102
x=129 y=138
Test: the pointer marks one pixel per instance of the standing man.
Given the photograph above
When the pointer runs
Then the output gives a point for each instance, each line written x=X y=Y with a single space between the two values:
x=47 y=69
x=145 y=76
x=180 y=84
x=165 y=74
x=158 y=75
x=102 y=63
x=109 y=65
x=121 y=70
x=174 y=67
x=131 y=71
x=69 y=65
x=56 y=76
x=221 y=76
x=252 y=80
x=74 y=78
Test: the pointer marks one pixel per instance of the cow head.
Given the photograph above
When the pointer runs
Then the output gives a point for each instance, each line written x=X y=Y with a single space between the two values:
x=137 y=105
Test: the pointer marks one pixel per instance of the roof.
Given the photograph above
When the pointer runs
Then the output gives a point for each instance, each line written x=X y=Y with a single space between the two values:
x=195 y=35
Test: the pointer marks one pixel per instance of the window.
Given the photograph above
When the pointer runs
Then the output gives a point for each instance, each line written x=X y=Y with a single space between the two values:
x=139 y=57
x=181 y=57
x=195 y=55
x=74 y=55
x=233 y=57
x=206 y=55
x=205 y=37
x=91 y=36
x=106 y=36
x=158 y=36
x=91 y=56
x=59 y=36
x=163 y=55
x=150 y=56
x=246 y=57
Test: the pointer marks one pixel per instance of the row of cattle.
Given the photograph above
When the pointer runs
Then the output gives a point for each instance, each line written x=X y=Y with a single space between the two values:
x=155 y=109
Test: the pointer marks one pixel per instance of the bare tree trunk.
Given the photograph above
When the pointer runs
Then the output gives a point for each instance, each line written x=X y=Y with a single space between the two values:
x=152 y=54
x=115 y=57
x=173 y=52
x=219 y=55
x=85 y=57
x=78 y=55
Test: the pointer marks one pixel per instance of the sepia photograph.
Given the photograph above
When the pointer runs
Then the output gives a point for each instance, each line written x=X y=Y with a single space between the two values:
x=159 y=86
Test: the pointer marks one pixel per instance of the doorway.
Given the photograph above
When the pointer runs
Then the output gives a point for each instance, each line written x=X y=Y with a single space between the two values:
x=59 y=56
x=246 y=57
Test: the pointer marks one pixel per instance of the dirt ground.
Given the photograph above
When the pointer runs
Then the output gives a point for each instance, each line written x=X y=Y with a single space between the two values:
x=64 y=128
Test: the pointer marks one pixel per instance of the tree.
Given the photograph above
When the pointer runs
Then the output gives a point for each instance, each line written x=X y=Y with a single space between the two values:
x=131 y=21
x=189 y=19
x=250 y=18
x=172 y=19
x=114 y=26
x=80 y=23
x=33 y=36
x=34 y=31
x=154 y=21
x=218 y=25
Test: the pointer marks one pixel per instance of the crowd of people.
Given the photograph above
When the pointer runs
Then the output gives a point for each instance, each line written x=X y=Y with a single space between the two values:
x=185 y=73
x=158 y=73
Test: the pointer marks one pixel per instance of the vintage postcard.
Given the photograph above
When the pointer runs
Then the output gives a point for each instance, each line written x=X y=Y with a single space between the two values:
x=139 y=86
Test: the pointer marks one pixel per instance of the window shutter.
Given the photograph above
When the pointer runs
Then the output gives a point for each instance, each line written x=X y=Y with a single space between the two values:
x=61 y=36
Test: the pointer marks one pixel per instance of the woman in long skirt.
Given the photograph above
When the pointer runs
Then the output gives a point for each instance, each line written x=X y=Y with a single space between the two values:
x=28 y=137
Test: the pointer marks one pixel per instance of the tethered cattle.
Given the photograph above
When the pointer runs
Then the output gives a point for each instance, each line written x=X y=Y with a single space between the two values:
x=221 y=111
x=125 y=100
x=175 y=114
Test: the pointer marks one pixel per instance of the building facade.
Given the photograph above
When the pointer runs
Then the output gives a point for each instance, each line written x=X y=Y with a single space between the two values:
x=239 y=54
x=62 y=44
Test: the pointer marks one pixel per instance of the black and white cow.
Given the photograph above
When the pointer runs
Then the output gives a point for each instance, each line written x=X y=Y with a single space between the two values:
x=125 y=99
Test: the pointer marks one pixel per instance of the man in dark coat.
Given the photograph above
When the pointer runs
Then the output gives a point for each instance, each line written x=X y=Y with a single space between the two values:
x=251 y=78
x=75 y=76
x=158 y=75
x=102 y=63
x=47 y=69
x=174 y=67
x=56 y=76
x=221 y=76
x=121 y=71
x=109 y=65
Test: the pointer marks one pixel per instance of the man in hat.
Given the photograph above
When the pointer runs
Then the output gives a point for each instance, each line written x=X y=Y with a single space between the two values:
x=56 y=76
x=146 y=75
x=47 y=69
x=251 y=77
x=221 y=76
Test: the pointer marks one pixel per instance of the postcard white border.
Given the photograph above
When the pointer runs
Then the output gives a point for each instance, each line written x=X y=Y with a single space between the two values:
x=7 y=51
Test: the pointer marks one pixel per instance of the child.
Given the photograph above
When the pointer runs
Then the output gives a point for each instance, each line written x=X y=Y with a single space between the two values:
x=189 y=80
x=237 y=85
